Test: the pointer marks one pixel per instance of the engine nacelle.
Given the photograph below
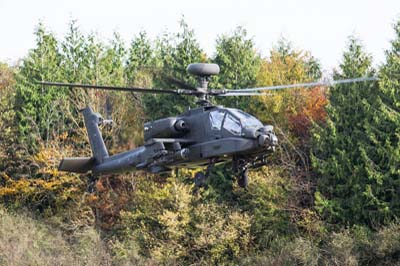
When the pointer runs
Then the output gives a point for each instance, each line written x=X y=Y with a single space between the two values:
x=165 y=128
x=181 y=126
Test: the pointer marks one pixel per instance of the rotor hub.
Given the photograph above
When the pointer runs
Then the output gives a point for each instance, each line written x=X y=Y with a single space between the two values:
x=203 y=71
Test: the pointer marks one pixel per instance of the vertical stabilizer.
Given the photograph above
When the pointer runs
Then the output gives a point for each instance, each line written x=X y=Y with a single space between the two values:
x=92 y=122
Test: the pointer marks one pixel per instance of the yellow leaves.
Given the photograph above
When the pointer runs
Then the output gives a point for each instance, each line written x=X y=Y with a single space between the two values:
x=4 y=176
x=181 y=194
x=5 y=191
x=46 y=187
x=26 y=187
x=221 y=231
x=282 y=69
x=13 y=187
x=177 y=216
x=308 y=221
x=278 y=107
x=48 y=159
x=172 y=222
x=7 y=79
x=175 y=222
x=63 y=136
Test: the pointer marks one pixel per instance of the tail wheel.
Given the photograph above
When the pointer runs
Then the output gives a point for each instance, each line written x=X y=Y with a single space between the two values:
x=243 y=179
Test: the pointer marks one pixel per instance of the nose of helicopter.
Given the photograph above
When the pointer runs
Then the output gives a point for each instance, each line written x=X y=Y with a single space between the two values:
x=267 y=137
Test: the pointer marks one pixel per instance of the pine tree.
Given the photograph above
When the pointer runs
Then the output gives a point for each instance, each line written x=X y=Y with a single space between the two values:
x=139 y=62
x=174 y=53
x=38 y=116
x=356 y=154
x=239 y=63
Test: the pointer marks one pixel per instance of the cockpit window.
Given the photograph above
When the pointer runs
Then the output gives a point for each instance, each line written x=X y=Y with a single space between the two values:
x=246 y=119
x=216 y=118
x=232 y=125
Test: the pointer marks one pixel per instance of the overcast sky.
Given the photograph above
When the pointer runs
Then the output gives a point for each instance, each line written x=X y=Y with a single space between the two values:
x=321 y=27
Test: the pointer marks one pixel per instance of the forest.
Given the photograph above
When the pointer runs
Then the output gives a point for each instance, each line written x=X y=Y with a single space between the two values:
x=329 y=195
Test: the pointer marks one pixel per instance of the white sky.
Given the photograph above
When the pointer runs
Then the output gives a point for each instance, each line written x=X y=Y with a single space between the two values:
x=321 y=27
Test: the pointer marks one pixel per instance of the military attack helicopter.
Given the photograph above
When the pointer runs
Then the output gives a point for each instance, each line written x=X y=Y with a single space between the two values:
x=200 y=137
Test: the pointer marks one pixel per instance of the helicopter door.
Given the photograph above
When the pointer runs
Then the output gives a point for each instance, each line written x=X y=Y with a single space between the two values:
x=216 y=118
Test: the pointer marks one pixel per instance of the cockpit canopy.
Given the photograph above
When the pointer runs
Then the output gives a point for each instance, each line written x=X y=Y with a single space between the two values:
x=246 y=119
x=232 y=120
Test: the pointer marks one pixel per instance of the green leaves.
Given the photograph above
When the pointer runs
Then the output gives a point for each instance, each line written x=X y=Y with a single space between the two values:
x=239 y=63
x=353 y=153
x=36 y=115
x=173 y=53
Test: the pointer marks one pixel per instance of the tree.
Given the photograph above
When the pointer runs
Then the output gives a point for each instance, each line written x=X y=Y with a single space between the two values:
x=291 y=111
x=356 y=154
x=173 y=53
x=7 y=113
x=239 y=63
x=140 y=59
x=37 y=115
x=138 y=72
x=285 y=65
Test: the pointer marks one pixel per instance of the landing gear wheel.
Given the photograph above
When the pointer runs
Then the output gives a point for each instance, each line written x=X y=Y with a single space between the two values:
x=200 y=179
x=243 y=179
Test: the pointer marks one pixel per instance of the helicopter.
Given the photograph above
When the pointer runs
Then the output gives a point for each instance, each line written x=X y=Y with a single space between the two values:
x=201 y=137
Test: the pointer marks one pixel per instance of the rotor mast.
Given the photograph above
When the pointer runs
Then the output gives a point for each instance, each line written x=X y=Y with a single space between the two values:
x=203 y=71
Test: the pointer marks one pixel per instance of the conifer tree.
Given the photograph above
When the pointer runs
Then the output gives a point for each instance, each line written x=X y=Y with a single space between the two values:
x=174 y=53
x=140 y=57
x=356 y=152
x=37 y=116
x=239 y=63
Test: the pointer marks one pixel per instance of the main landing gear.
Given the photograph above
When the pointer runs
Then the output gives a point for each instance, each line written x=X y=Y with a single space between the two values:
x=200 y=178
x=239 y=168
x=243 y=179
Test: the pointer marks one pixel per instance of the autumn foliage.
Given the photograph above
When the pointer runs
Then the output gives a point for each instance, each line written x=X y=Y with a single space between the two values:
x=328 y=195
x=311 y=110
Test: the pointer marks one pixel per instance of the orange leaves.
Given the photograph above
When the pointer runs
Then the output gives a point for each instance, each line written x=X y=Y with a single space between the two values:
x=111 y=196
x=311 y=109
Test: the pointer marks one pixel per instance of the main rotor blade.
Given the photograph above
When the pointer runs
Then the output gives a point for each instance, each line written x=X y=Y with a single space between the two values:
x=179 y=83
x=102 y=87
x=309 y=84
x=241 y=94
x=169 y=77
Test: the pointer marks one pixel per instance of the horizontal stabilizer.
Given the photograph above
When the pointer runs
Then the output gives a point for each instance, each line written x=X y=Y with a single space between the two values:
x=77 y=164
